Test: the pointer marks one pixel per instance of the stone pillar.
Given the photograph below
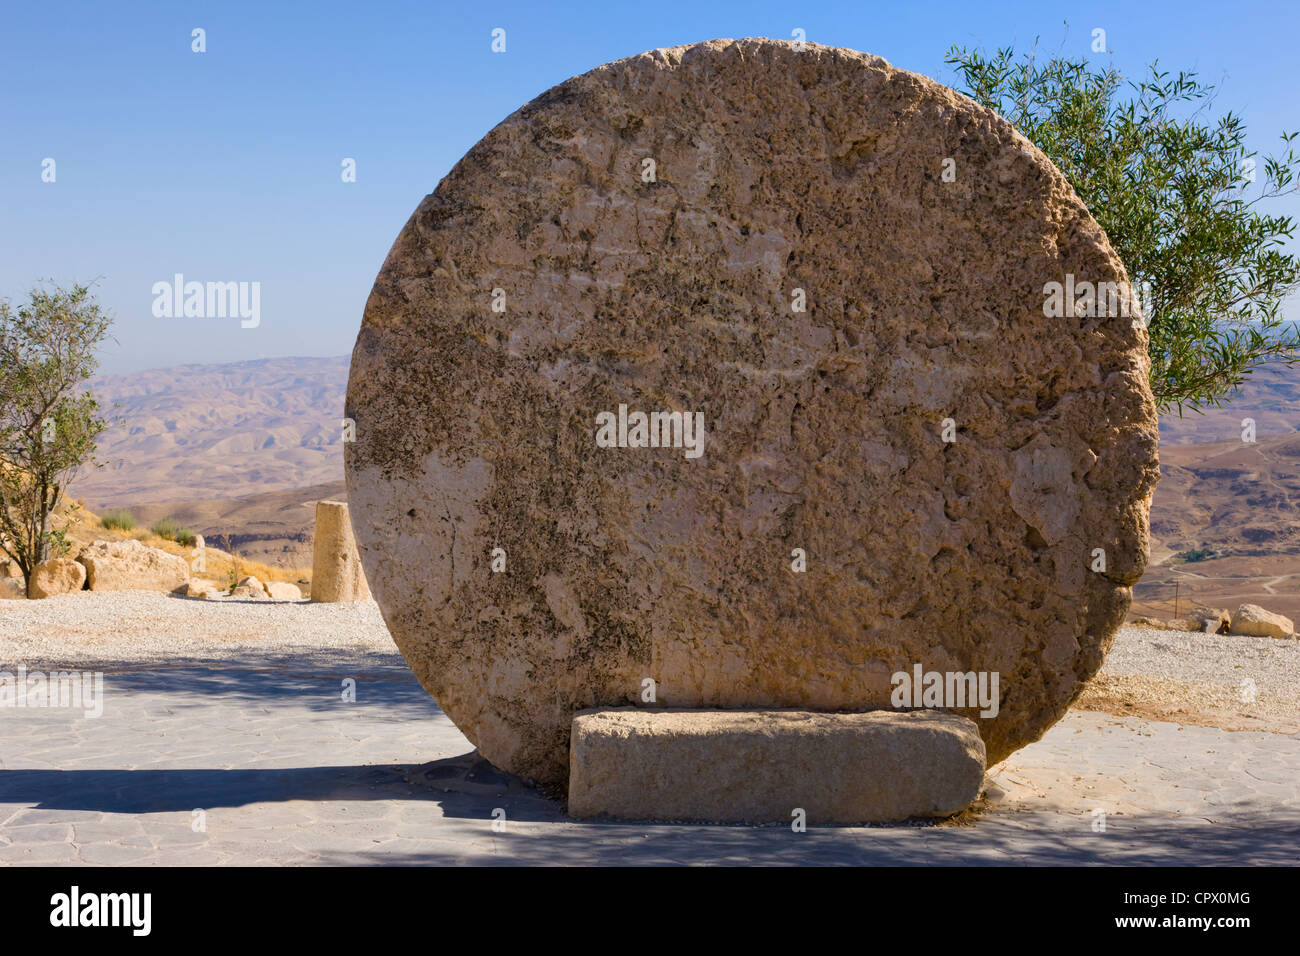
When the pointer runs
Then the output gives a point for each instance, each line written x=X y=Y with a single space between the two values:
x=336 y=573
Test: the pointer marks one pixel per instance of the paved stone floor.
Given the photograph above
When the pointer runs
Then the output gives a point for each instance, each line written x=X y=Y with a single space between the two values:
x=285 y=772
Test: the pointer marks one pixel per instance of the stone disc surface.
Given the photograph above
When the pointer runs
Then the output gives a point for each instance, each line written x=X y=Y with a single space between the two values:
x=551 y=278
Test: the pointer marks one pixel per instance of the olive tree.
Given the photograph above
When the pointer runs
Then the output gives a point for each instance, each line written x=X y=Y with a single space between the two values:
x=48 y=423
x=1184 y=202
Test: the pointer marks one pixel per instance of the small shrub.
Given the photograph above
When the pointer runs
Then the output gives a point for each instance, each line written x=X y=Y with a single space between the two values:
x=165 y=528
x=117 y=520
x=59 y=544
x=1196 y=554
x=185 y=537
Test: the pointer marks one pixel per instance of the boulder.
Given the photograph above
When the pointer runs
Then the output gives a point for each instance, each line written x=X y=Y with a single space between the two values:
x=131 y=565
x=251 y=584
x=12 y=589
x=283 y=591
x=1157 y=624
x=249 y=593
x=336 y=572
x=56 y=576
x=727 y=766
x=1252 y=620
x=760 y=373
x=1204 y=620
x=1210 y=620
x=197 y=587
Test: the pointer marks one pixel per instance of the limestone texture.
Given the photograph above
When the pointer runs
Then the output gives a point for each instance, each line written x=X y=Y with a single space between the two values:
x=336 y=572
x=282 y=591
x=1253 y=621
x=56 y=576
x=130 y=565
x=1210 y=620
x=772 y=239
x=759 y=766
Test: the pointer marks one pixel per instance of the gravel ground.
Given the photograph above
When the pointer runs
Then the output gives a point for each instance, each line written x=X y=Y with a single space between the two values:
x=140 y=626
x=1194 y=658
x=1231 y=682
x=1169 y=675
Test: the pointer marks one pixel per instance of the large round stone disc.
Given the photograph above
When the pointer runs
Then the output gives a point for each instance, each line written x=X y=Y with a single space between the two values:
x=839 y=266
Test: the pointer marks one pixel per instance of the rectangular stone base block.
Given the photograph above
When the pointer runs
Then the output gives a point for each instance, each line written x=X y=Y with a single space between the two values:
x=761 y=766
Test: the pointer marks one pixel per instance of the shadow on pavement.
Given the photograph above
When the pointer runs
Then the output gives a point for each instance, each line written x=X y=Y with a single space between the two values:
x=315 y=682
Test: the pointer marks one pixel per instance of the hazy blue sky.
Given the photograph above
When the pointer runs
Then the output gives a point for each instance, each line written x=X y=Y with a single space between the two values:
x=225 y=165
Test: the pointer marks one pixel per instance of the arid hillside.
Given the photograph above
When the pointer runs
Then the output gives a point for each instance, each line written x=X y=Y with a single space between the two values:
x=274 y=527
x=1225 y=527
x=1271 y=396
x=82 y=526
x=198 y=432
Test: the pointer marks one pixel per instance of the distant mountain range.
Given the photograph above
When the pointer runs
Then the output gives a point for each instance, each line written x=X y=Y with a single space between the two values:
x=240 y=453
x=1270 y=396
x=193 y=432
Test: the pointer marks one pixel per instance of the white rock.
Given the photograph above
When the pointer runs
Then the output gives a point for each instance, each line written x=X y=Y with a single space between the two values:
x=130 y=565
x=56 y=576
x=283 y=591
x=12 y=589
x=1253 y=621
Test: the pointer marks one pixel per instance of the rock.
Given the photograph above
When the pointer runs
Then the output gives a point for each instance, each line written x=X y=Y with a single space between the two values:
x=745 y=766
x=1252 y=620
x=1204 y=620
x=801 y=278
x=249 y=593
x=250 y=582
x=197 y=587
x=283 y=591
x=56 y=576
x=12 y=589
x=336 y=573
x=1156 y=624
x=1210 y=620
x=211 y=594
x=1184 y=624
x=130 y=565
